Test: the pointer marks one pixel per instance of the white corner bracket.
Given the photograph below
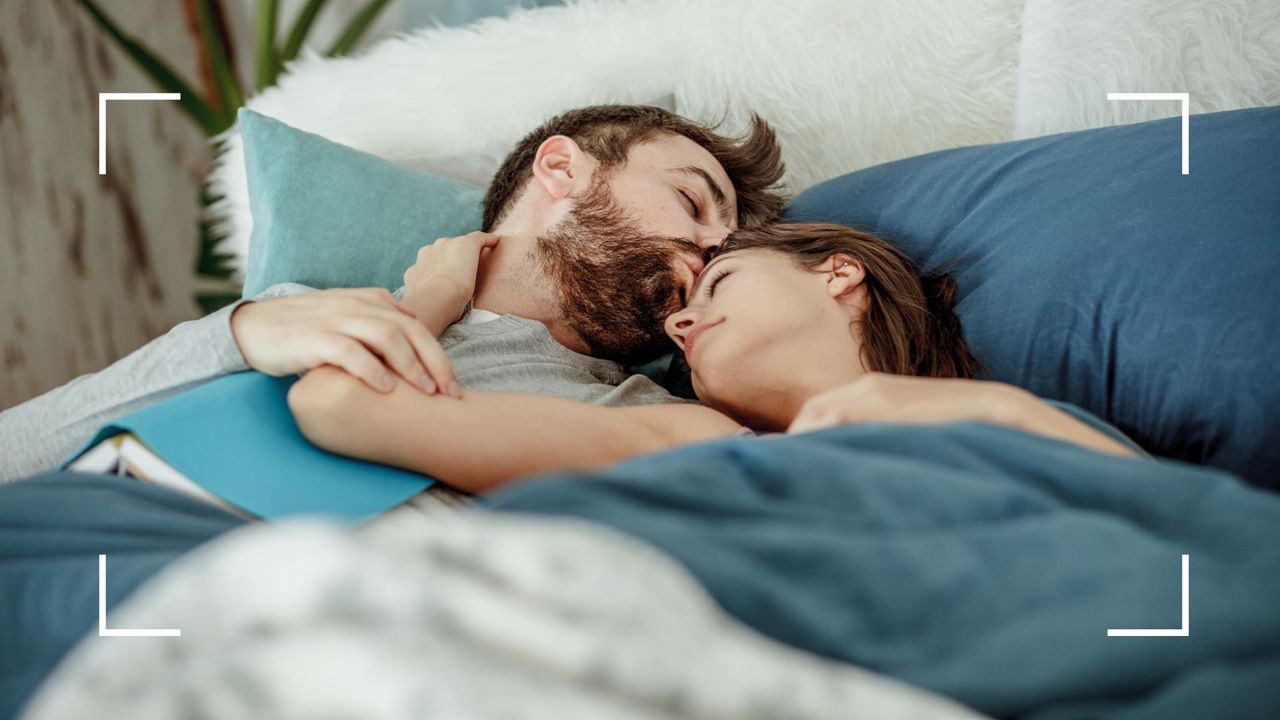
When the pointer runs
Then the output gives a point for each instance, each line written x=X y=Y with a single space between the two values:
x=102 y=118
x=103 y=630
x=1183 y=631
x=1185 y=98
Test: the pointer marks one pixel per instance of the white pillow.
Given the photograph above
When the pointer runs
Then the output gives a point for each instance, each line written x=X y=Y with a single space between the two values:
x=478 y=168
x=1225 y=55
x=847 y=83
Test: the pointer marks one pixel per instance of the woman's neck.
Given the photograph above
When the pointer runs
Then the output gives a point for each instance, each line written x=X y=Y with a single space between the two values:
x=775 y=408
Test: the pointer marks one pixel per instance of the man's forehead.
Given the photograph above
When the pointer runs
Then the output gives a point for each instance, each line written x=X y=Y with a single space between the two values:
x=675 y=151
x=678 y=154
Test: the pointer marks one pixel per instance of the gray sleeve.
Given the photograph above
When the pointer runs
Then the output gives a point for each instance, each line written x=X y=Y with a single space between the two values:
x=640 y=390
x=40 y=434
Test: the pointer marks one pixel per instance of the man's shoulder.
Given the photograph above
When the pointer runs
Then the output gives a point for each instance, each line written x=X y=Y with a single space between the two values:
x=642 y=390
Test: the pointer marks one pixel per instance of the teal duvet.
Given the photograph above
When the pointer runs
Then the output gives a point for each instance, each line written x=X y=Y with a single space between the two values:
x=980 y=562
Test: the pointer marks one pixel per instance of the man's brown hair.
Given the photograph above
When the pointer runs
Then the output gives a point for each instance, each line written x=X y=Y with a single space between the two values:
x=753 y=162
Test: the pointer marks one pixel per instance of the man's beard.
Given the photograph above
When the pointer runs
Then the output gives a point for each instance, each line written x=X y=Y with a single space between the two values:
x=616 y=285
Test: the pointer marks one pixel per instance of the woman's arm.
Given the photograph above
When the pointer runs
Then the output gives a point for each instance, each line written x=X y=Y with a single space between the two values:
x=486 y=439
x=1027 y=412
x=880 y=397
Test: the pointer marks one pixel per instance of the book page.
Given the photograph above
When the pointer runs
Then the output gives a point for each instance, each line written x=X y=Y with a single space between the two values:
x=146 y=465
x=102 y=458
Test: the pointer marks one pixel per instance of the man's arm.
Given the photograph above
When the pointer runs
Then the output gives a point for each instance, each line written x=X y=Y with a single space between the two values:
x=363 y=330
x=486 y=439
x=356 y=328
x=39 y=434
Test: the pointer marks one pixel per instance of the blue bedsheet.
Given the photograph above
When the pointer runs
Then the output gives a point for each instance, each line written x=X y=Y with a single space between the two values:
x=52 y=528
x=980 y=562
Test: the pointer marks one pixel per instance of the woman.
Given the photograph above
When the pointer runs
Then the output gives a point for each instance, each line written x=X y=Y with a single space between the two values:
x=788 y=328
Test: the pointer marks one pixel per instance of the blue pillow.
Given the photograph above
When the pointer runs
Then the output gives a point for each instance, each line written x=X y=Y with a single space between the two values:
x=327 y=215
x=1091 y=270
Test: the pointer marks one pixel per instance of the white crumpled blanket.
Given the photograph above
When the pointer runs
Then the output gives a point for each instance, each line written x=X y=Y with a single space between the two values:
x=476 y=615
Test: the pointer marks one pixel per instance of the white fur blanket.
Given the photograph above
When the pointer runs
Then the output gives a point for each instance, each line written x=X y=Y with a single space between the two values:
x=847 y=83
x=475 y=616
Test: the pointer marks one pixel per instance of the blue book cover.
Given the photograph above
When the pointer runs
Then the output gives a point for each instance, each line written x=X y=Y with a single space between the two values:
x=236 y=438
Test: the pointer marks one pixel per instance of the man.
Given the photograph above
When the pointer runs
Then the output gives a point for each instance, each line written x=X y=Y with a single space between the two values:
x=603 y=214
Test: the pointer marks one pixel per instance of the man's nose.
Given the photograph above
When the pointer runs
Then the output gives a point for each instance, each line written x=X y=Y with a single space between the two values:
x=710 y=236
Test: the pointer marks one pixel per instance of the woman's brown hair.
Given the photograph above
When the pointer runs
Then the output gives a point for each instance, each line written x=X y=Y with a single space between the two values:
x=909 y=327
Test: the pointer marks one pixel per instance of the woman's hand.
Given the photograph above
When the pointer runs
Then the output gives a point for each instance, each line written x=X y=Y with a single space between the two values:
x=442 y=281
x=362 y=330
x=881 y=397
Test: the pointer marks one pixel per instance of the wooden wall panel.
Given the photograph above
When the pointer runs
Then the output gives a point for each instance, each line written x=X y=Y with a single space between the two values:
x=91 y=267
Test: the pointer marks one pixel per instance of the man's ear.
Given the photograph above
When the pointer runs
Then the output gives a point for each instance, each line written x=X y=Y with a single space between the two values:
x=561 y=167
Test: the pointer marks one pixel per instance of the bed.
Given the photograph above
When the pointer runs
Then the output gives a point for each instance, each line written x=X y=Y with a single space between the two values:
x=873 y=571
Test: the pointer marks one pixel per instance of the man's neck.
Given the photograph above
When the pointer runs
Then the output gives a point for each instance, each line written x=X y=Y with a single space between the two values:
x=511 y=281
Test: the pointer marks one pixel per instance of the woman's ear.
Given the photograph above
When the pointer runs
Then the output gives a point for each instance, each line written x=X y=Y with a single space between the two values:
x=560 y=166
x=845 y=275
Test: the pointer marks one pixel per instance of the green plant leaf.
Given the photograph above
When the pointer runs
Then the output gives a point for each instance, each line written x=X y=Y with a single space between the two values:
x=268 y=63
x=357 y=28
x=210 y=302
x=301 y=29
x=200 y=112
x=210 y=260
x=230 y=96
x=213 y=264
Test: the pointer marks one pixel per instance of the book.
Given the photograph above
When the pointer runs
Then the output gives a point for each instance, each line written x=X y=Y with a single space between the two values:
x=233 y=442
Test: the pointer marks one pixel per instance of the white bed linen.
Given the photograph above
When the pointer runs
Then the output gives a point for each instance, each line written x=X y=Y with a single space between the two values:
x=475 y=615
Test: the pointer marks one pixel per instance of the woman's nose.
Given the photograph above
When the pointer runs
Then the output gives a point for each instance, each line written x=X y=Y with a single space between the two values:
x=680 y=323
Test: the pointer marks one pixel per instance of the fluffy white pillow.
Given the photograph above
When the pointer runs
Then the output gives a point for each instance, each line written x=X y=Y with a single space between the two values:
x=1224 y=53
x=847 y=83
x=478 y=168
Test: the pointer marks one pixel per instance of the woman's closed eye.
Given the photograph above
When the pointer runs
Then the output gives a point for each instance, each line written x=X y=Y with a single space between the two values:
x=709 y=288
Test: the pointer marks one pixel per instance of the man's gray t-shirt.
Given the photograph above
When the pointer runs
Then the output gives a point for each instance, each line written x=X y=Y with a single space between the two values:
x=507 y=354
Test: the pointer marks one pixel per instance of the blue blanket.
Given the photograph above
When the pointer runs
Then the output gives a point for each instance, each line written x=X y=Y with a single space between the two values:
x=980 y=562
x=983 y=563
x=52 y=529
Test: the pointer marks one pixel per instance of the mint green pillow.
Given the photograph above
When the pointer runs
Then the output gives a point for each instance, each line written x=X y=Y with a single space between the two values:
x=326 y=215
